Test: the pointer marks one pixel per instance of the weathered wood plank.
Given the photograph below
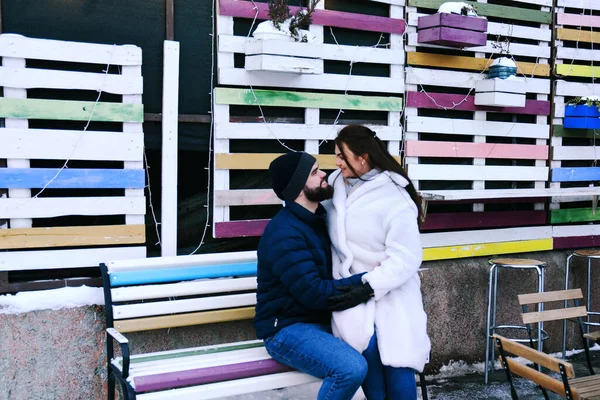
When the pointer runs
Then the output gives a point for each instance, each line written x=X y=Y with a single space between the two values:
x=573 y=215
x=592 y=21
x=577 y=35
x=261 y=161
x=416 y=148
x=574 y=242
x=234 y=229
x=577 y=70
x=476 y=172
x=486 y=249
x=71 y=178
x=582 y=174
x=72 y=236
x=50 y=207
x=491 y=219
x=561 y=131
x=70 y=110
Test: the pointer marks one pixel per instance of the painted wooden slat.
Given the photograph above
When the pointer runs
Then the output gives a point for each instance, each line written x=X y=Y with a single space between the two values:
x=470 y=63
x=575 y=152
x=183 y=306
x=592 y=21
x=582 y=4
x=280 y=98
x=476 y=127
x=295 y=131
x=48 y=144
x=18 y=46
x=143 y=277
x=575 y=242
x=261 y=161
x=450 y=195
x=578 y=35
x=339 y=19
x=472 y=150
x=455 y=102
x=487 y=249
x=70 y=110
x=55 y=259
x=71 y=178
x=172 y=321
x=561 y=131
x=49 y=207
x=438 y=221
x=493 y=10
x=564 y=88
x=573 y=215
x=182 y=289
x=245 y=197
x=71 y=236
x=231 y=388
x=577 y=70
x=30 y=78
x=476 y=172
x=583 y=174
x=569 y=53
x=442 y=239
x=197 y=260
x=559 y=231
x=234 y=229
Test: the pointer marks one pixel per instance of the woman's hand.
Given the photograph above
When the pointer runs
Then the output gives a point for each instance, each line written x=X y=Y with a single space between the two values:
x=353 y=296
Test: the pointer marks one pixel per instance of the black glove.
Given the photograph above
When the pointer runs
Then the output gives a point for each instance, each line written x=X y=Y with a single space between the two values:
x=353 y=296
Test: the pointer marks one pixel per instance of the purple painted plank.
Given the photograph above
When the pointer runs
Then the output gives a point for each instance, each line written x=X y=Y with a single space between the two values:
x=339 y=19
x=453 y=21
x=421 y=100
x=444 y=36
x=511 y=200
x=574 y=242
x=483 y=219
x=201 y=376
x=234 y=229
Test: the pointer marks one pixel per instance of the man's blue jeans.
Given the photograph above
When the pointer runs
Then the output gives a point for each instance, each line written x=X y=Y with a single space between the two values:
x=385 y=382
x=311 y=348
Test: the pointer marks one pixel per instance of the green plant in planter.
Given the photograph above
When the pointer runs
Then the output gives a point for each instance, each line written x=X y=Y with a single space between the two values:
x=279 y=14
x=585 y=101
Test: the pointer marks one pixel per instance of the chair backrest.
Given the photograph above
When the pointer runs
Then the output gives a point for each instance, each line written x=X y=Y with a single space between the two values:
x=167 y=292
x=507 y=346
x=554 y=314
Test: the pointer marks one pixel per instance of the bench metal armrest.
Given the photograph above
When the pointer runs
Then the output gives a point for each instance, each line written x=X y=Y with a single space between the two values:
x=122 y=340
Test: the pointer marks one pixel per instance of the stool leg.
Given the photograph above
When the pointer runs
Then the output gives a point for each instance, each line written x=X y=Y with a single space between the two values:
x=494 y=317
x=564 y=338
x=540 y=272
x=589 y=293
x=489 y=321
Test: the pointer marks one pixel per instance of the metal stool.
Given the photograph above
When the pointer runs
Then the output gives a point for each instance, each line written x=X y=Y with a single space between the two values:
x=513 y=263
x=589 y=254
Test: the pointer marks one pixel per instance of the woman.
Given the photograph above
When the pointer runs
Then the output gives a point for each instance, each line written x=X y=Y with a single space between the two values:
x=373 y=224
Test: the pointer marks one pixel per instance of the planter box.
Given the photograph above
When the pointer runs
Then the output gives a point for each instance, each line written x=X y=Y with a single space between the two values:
x=283 y=56
x=582 y=117
x=452 y=30
x=500 y=93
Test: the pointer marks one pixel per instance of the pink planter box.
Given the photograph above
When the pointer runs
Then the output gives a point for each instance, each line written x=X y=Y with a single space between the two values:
x=452 y=30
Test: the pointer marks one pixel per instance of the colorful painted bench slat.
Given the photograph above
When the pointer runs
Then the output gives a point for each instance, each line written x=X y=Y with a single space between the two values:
x=72 y=178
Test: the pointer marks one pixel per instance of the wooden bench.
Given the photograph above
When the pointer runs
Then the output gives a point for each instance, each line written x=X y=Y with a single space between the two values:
x=569 y=387
x=168 y=292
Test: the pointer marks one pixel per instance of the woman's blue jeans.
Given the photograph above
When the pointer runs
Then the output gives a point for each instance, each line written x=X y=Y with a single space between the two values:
x=311 y=348
x=385 y=382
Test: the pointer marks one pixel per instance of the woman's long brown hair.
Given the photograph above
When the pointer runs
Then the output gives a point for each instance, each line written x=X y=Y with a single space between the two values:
x=360 y=140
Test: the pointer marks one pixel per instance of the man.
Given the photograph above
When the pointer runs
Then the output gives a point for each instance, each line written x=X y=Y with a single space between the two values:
x=295 y=283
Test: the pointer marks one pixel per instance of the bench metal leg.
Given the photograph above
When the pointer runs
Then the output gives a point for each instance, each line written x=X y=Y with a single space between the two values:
x=489 y=321
x=111 y=385
x=423 y=386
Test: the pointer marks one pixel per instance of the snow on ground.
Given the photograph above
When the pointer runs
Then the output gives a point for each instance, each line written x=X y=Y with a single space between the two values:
x=54 y=299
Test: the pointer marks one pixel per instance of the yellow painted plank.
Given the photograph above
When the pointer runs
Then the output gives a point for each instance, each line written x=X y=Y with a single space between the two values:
x=577 y=35
x=471 y=63
x=173 y=321
x=245 y=161
x=71 y=236
x=577 y=70
x=485 y=249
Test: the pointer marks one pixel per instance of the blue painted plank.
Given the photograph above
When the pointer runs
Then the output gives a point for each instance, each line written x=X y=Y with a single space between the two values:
x=71 y=178
x=581 y=111
x=582 y=123
x=583 y=174
x=181 y=274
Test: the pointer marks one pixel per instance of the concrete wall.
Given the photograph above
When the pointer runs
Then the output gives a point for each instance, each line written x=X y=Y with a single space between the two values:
x=60 y=354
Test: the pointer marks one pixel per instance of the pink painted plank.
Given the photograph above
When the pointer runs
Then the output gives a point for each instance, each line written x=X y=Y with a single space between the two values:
x=200 y=376
x=592 y=21
x=574 y=242
x=234 y=229
x=493 y=219
x=421 y=100
x=445 y=36
x=476 y=150
x=453 y=21
x=339 y=19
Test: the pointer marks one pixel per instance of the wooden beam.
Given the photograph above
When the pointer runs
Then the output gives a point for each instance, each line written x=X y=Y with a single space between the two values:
x=170 y=19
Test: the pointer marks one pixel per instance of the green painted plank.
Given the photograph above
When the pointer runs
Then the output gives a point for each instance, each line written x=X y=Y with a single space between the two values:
x=280 y=98
x=561 y=131
x=70 y=110
x=196 y=352
x=573 y=215
x=493 y=10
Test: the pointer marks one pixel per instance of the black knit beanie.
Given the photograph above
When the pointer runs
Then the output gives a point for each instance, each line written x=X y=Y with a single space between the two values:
x=289 y=174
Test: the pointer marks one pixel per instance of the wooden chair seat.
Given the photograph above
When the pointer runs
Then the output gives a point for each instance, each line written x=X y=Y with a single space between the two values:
x=593 y=253
x=595 y=336
x=517 y=261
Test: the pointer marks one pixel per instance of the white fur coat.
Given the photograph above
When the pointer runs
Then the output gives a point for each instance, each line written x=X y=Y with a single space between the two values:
x=374 y=230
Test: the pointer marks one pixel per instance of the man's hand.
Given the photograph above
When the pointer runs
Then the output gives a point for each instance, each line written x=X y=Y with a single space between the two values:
x=353 y=296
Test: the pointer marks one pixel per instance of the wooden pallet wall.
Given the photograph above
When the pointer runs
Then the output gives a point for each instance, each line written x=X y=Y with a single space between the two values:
x=44 y=82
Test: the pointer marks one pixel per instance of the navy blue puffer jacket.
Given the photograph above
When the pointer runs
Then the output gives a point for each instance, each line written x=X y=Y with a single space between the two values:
x=294 y=271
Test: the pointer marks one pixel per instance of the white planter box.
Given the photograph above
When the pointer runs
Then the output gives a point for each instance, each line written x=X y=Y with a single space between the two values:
x=500 y=93
x=282 y=56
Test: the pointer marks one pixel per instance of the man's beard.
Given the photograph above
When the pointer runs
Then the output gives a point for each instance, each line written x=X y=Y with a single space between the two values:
x=319 y=193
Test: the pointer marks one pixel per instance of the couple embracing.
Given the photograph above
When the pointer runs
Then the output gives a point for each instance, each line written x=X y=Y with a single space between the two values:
x=339 y=295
